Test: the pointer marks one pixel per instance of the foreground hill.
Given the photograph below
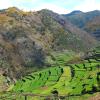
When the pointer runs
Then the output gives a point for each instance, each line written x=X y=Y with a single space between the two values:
x=88 y=21
x=27 y=38
x=68 y=81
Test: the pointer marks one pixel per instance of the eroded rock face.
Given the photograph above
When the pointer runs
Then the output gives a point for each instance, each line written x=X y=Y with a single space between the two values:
x=31 y=53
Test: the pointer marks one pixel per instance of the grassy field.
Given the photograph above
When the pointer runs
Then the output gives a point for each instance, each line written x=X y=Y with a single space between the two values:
x=67 y=82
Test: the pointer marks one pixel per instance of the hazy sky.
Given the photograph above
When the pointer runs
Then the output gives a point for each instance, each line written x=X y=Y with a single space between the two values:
x=59 y=6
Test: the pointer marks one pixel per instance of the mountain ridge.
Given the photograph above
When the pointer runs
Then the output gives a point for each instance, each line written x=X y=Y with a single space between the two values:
x=26 y=38
x=83 y=20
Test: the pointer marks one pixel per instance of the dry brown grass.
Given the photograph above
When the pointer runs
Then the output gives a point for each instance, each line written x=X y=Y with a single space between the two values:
x=97 y=97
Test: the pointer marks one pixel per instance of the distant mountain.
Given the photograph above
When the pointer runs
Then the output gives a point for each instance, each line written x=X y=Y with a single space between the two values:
x=93 y=27
x=26 y=38
x=74 y=13
x=82 y=20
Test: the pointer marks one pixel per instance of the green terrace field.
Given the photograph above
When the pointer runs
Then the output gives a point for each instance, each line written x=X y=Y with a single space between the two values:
x=60 y=58
x=63 y=82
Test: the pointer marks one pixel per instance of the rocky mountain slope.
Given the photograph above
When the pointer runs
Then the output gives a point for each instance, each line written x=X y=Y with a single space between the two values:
x=93 y=27
x=88 y=21
x=26 y=38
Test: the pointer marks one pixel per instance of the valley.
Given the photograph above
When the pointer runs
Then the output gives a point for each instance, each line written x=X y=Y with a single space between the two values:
x=49 y=56
x=80 y=80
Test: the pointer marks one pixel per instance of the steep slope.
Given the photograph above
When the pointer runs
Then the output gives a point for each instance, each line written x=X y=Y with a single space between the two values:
x=81 y=20
x=26 y=38
x=93 y=27
x=74 y=37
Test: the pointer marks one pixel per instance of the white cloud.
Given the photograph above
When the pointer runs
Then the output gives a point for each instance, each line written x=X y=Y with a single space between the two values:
x=21 y=4
x=37 y=5
x=52 y=7
x=88 y=5
x=5 y=4
x=59 y=6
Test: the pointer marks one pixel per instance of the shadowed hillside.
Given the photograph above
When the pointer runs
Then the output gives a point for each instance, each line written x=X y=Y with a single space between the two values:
x=88 y=21
x=93 y=27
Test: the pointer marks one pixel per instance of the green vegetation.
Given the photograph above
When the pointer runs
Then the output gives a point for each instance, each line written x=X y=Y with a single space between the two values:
x=27 y=40
x=60 y=58
x=71 y=81
x=2 y=83
x=36 y=57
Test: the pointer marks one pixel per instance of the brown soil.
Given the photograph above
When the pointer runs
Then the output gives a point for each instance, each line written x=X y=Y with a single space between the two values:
x=97 y=97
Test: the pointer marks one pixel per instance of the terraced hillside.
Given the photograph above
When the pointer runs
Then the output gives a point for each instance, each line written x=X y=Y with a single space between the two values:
x=67 y=82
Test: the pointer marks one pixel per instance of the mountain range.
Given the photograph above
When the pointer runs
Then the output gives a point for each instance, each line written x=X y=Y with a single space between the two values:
x=27 y=38
x=89 y=21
